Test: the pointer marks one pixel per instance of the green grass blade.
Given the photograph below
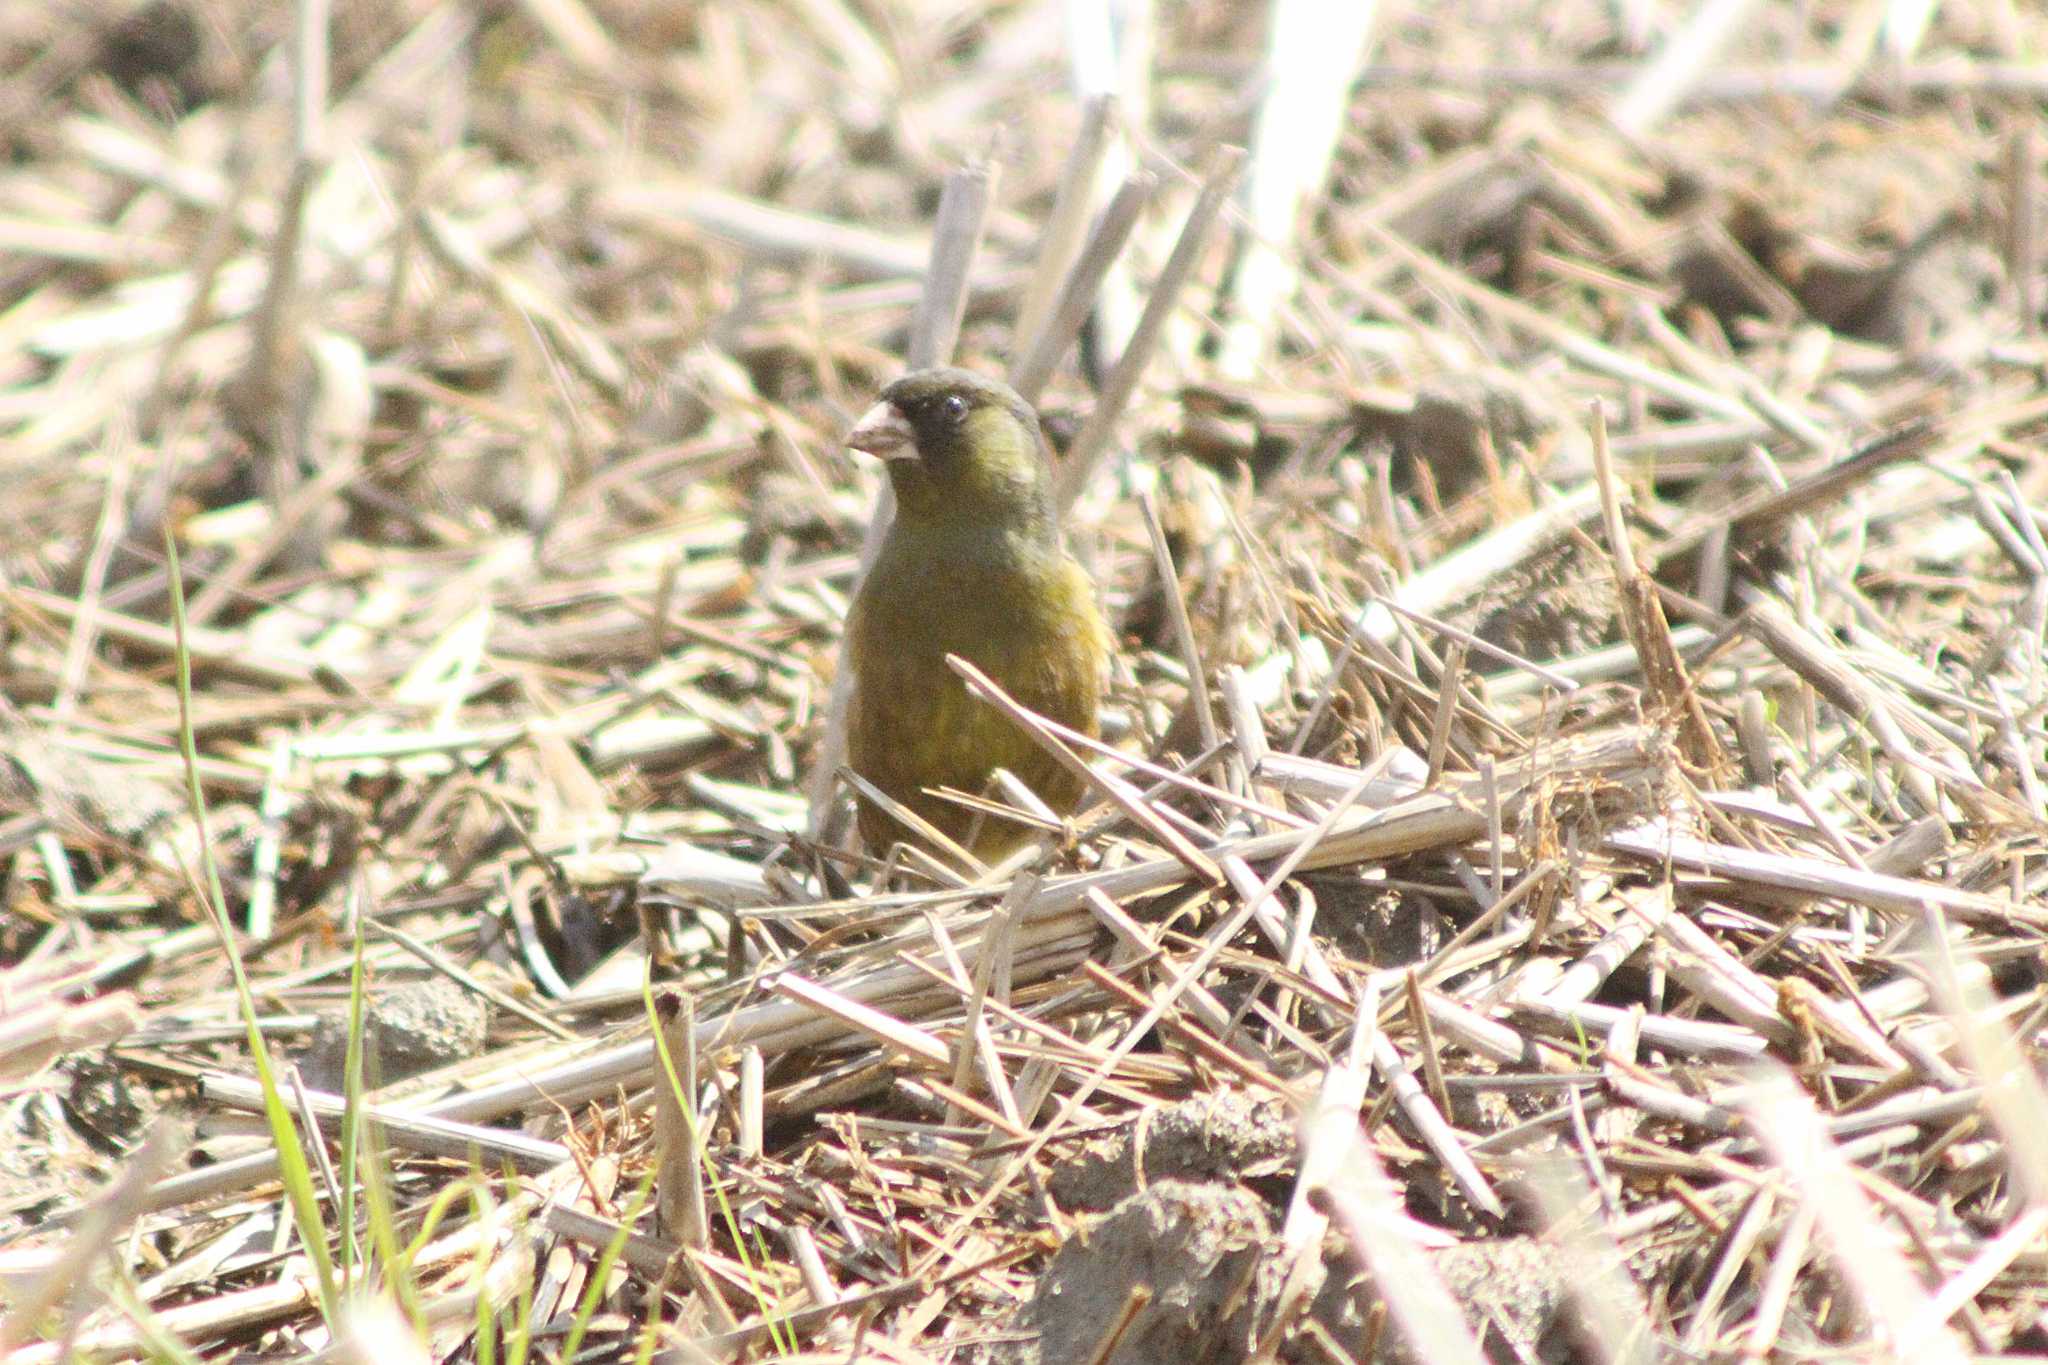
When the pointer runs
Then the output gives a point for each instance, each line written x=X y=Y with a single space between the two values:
x=293 y=1169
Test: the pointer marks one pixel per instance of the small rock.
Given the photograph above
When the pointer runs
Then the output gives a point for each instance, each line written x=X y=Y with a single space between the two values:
x=408 y=1030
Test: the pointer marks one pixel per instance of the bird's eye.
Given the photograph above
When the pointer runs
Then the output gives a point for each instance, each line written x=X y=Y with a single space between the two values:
x=954 y=406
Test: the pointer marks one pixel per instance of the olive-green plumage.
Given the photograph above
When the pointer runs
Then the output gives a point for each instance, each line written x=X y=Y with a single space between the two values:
x=972 y=566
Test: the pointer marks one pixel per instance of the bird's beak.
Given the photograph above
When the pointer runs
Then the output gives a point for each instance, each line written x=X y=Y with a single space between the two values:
x=884 y=432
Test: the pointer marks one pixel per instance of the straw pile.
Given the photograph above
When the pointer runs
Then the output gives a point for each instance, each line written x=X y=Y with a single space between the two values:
x=1565 y=879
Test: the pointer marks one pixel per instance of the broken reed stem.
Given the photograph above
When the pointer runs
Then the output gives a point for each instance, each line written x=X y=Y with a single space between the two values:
x=1666 y=81
x=1093 y=441
x=1078 y=294
x=956 y=237
x=1183 y=629
x=310 y=21
x=1665 y=676
x=1065 y=229
x=679 y=1178
x=1313 y=52
x=976 y=1027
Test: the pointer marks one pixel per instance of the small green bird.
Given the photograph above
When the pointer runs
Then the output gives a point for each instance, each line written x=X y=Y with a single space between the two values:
x=973 y=566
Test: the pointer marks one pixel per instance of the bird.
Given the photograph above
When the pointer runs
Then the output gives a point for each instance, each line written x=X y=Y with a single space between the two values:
x=973 y=565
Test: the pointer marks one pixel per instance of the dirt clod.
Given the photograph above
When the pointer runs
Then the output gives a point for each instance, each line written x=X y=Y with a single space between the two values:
x=1188 y=1250
x=1224 y=1134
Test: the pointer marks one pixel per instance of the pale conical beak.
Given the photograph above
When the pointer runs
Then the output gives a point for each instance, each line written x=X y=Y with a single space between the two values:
x=884 y=432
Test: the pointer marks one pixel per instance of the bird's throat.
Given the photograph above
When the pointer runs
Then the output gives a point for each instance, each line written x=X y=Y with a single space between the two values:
x=946 y=524
x=964 y=553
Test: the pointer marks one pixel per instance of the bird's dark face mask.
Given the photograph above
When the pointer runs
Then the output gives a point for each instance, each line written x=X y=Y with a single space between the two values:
x=959 y=451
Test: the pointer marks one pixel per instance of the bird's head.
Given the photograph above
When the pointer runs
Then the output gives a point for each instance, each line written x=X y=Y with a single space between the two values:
x=960 y=448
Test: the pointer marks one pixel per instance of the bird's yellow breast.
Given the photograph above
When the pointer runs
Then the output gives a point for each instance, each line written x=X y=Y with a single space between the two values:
x=1029 y=621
